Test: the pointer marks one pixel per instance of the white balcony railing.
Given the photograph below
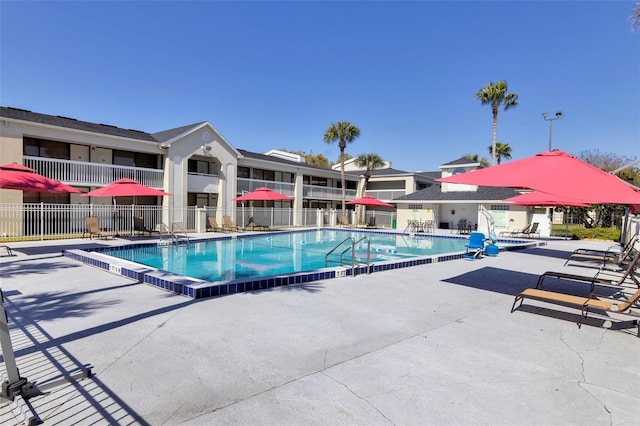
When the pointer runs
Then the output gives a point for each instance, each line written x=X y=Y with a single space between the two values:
x=327 y=193
x=249 y=185
x=83 y=173
x=198 y=182
x=387 y=194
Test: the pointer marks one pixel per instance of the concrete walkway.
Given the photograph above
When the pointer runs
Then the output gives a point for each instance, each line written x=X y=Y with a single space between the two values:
x=433 y=344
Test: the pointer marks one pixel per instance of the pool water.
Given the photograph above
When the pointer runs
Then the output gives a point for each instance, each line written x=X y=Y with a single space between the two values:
x=276 y=253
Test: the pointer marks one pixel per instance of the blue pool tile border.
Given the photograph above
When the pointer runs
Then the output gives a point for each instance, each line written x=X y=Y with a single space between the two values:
x=198 y=289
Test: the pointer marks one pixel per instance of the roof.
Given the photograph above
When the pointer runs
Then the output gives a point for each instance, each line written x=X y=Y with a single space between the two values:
x=272 y=159
x=434 y=193
x=460 y=161
x=72 y=123
x=396 y=172
x=169 y=134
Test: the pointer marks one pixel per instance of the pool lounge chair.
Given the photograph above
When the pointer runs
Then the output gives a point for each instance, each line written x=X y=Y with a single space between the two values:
x=140 y=227
x=228 y=224
x=7 y=250
x=533 y=230
x=372 y=222
x=213 y=225
x=345 y=222
x=628 y=276
x=517 y=232
x=252 y=225
x=602 y=258
x=92 y=227
x=584 y=303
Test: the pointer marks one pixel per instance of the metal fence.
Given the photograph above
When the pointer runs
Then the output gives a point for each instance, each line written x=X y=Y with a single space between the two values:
x=40 y=221
x=44 y=221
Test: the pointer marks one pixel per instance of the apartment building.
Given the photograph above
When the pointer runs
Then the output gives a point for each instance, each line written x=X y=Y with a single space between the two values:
x=195 y=163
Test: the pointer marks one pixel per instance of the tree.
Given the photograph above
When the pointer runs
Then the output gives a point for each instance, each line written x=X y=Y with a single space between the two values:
x=503 y=150
x=476 y=158
x=607 y=215
x=635 y=17
x=313 y=160
x=495 y=94
x=369 y=162
x=609 y=162
x=317 y=160
x=343 y=132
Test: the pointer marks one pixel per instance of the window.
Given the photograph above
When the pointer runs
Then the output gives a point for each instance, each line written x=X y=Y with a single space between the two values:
x=199 y=166
x=415 y=206
x=149 y=161
x=44 y=148
x=124 y=158
x=45 y=197
x=499 y=207
x=135 y=159
x=264 y=174
x=201 y=199
x=243 y=172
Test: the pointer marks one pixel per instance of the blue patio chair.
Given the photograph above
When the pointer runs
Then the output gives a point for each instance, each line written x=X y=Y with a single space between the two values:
x=475 y=246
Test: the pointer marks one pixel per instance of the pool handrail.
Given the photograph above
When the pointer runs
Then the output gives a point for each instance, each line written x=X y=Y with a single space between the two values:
x=352 y=249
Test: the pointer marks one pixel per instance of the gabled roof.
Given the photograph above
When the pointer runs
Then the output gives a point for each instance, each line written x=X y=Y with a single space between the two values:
x=72 y=123
x=461 y=161
x=166 y=135
x=484 y=193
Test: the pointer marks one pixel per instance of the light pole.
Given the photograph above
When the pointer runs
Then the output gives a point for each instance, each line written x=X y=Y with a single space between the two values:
x=550 y=120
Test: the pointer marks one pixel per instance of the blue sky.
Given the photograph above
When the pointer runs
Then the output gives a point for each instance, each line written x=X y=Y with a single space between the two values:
x=273 y=75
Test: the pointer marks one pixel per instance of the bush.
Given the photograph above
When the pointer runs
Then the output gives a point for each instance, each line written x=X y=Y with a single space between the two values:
x=598 y=233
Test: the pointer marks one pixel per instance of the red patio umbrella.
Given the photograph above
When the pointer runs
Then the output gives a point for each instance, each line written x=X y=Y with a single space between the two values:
x=263 y=194
x=369 y=201
x=125 y=188
x=22 y=178
x=554 y=172
x=539 y=198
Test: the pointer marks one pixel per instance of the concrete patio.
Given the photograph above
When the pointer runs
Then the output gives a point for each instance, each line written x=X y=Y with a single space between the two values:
x=432 y=344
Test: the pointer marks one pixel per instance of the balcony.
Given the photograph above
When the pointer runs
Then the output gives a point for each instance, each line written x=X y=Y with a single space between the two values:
x=82 y=173
x=387 y=194
x=327 y=193
x=249 y=185
x=203 y=183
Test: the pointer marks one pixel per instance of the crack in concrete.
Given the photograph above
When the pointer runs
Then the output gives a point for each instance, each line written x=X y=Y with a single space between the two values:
x=583 y=381
x=358 y=396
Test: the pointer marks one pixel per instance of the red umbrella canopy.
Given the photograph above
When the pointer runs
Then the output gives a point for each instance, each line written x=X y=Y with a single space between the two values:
x=538 y=198
x=22 y=178
x=263 y=194
x=368 y=200
x=554 y=172
x=125 y=188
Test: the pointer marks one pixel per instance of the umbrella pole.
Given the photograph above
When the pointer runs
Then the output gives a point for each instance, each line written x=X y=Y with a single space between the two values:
x=16 y=385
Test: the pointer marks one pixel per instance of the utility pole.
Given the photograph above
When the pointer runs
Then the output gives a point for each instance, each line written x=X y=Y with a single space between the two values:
x=550 y=120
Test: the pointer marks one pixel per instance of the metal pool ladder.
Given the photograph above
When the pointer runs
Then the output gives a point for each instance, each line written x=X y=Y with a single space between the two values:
x=174 y=238
x=349 y=245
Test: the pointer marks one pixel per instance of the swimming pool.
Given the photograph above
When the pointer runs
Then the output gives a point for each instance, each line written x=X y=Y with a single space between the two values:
x=244 y=262
x=284 y=253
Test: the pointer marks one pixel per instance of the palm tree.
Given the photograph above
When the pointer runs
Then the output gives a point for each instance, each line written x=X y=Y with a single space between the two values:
x=495 y=94
x=369 y=162
x=476 y=159
x=503 y=150
x=635 y=17
x=343 y=132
